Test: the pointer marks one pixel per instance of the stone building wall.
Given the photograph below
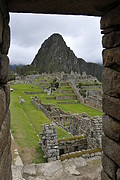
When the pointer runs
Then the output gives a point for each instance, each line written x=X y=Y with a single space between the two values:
x=79 y=97
x=110 y=25
x=94 y=132
x=5 y=140
x=52 y=148
x=94 y=101
x=49 y=142
x=89 y=126
x=68 y=146
x=46 y=109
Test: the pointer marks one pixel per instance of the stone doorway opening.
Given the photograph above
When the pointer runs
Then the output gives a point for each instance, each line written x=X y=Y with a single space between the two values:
x=109 y=10
x=31 y=38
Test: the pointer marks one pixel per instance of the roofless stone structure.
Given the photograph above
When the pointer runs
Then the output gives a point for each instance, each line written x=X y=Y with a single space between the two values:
x=109 y=10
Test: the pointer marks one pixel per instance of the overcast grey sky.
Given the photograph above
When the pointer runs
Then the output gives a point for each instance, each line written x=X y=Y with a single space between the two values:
x=28 y=32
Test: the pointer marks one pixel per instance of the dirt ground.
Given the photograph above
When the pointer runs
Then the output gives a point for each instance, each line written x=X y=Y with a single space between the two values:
x=27 y=154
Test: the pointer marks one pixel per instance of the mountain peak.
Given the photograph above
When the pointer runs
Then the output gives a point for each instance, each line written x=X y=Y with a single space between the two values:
x=56 y=35
x=55 y=56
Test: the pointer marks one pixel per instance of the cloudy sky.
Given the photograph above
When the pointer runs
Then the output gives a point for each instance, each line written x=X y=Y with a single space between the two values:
x=28 y=32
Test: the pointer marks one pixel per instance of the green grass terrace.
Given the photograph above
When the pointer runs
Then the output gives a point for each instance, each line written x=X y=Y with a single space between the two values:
x=27 y=121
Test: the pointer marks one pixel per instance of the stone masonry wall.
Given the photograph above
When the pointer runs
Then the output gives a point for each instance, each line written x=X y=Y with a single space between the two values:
x=5 y=140
x=89 y=126
x=49 y=142
x=52 y=148
x=68 y=146
x=110 y=24
x=93 y=101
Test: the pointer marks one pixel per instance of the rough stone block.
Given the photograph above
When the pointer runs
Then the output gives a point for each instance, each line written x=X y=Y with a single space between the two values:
x=29 y=170
x=4 y=68
x=111 y=82
x=109 y=166
x=104 y=176
x=109 y=30
x=8 y=171
x=111 y=149
x=118 y=174
x=5 y=163
x=111 y=106
x=1 y=27
x=5 y=132
x=111 y=56
x=7 y=92
x=111 y=127
x=2 y=105
x=111 y=18
x=111 y=40
x=4 y=11
x=6 y=39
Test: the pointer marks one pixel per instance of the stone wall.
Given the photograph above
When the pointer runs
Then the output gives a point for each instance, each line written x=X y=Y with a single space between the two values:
x=79 y=97
x=52 y=148
x=94 y=101
x=110 y=24
x=74 y=124
x=46 y=109
x=72 y=145
x=49 y=142
x=63 y=120
x=71 y=97
x=94 y=132
x=89 y=126
x=5 y=141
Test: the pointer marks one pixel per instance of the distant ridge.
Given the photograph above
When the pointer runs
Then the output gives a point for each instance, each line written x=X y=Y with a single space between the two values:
x=90 y=68
x=12 y=67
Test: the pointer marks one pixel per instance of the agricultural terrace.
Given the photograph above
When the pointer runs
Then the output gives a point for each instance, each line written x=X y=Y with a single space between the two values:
x=27 y=121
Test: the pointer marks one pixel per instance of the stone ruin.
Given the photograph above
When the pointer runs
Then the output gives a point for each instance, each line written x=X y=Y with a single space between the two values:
x=76 y=143
x=90 y=95
x=48 y=109
x=54 y=148
x=49 y=142
x=90 y=127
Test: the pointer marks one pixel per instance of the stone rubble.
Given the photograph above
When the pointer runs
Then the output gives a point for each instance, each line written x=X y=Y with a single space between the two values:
x=57 y=170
